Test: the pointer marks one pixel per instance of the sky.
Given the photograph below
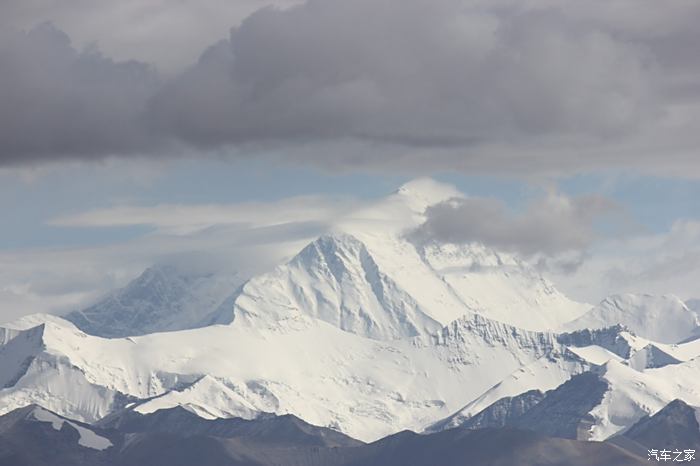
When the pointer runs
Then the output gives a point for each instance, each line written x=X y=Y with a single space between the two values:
x=224 y=134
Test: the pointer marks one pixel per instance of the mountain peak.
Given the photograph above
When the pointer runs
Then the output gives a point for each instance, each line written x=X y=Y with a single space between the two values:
x=335 y=279
x=162 y=298
x=674 y=426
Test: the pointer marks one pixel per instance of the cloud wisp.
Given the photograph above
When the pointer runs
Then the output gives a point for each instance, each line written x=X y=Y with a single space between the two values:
x=421 y=85
x=178 y=219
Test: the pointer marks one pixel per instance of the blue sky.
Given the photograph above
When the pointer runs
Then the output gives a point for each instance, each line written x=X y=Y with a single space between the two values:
x=29 y=202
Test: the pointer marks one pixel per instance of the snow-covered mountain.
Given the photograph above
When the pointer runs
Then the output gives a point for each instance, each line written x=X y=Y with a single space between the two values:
x=162 y=298
x=307 y=367
x=335 y=279
x=616 y=392
x=664 y=319
x=331 y=377
x=370 y=277
x=613 y=397
x=386 y=287
x=676 y=427
x=503 y=412
x=367 y=330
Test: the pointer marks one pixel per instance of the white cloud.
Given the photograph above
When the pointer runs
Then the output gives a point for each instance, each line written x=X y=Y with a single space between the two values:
x=66 y=279
x=246 y=238
x=185 y=219
x=661 y=263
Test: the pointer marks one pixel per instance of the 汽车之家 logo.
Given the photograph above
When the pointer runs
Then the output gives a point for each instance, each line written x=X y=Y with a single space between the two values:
x=674 y=455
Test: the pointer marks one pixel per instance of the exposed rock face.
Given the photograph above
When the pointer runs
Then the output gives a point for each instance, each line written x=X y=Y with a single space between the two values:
x=503 y=412
x=674 y=427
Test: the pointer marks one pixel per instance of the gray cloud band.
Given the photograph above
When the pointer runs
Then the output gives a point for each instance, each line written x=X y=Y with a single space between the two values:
x=551 y=226
x=436 y=84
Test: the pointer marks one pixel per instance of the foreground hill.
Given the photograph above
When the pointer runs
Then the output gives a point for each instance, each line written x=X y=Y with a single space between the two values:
x=33 y=436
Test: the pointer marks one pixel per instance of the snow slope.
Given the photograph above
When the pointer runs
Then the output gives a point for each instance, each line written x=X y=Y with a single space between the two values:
x=631 y=395
x=607 y=400
x=664 y=319
x=500 y=286
x=639 y=376
x=320 y=373
x=335 y=279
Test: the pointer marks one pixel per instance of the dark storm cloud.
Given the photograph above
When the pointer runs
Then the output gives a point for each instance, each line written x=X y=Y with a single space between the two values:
x=552 y=225
x=57 y=102
x=417 y=84
x=408 y=73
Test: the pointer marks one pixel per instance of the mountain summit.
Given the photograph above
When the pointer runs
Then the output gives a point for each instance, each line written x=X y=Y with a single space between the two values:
x=162 y=298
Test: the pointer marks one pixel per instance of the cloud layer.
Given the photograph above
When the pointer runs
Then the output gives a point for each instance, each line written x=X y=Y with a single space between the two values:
x=426 y=85
x=245 y=238
x=408 y=73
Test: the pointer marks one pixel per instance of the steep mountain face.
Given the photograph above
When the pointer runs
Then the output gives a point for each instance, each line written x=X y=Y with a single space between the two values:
x=664 y=319
x=651 y=357
x=334 y=279
x=616 y=340
x=629 y=378
x=561 y=412
x=385 y=287
x=675 y=427
x=565 y=411
x=502 y=413
x=162 y=298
